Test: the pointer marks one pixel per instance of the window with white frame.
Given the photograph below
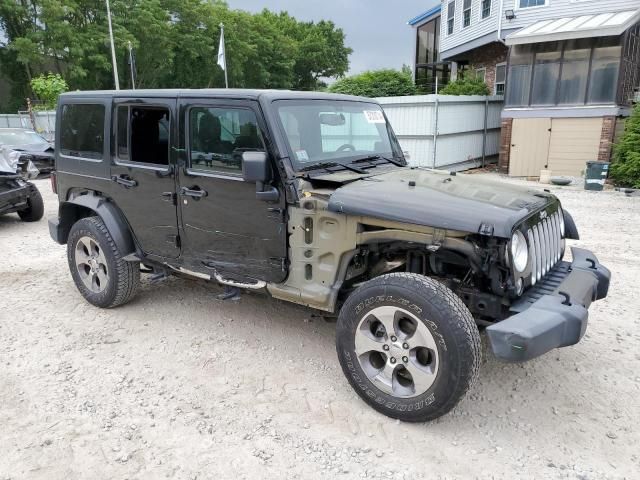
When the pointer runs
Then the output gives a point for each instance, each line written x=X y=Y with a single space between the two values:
x=466 y=13
x=501 y=75
x=531 y=3
x=481 y=73
x=486 y=8
x=451 y=12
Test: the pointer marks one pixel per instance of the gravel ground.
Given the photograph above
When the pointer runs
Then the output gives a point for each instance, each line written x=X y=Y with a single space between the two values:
x=178 y=384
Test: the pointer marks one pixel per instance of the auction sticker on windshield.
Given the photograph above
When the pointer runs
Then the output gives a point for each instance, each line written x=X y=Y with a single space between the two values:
x=302 y=155
x=374 y=116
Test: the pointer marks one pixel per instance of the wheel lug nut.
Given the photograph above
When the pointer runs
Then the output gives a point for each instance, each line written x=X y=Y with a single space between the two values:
x=393 y=339
x=392 y=360
x=405 y=346
x=385 y=347
x=405 y=359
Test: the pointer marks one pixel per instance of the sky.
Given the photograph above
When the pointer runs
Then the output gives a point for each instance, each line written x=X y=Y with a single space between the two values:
x=376 y=30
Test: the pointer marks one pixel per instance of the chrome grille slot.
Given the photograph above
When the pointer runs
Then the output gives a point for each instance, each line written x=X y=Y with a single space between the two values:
x=545 y=246
x=532 y=256
x=547 y=241
x=536 y=235
x=554 y=220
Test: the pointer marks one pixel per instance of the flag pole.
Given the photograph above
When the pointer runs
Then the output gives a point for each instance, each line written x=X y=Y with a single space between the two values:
x=222 y=56
x=131 y=66
x=113 y=49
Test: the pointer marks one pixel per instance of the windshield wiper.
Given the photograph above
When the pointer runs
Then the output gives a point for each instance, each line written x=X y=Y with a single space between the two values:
x=368 y=158
x=328 y=165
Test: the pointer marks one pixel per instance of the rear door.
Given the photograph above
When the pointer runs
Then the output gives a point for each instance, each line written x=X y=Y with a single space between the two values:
x=225 y=228
x=142 y=172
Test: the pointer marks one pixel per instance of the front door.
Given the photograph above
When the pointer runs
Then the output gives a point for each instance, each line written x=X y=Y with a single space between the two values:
x=142 y=172
x=225 y=228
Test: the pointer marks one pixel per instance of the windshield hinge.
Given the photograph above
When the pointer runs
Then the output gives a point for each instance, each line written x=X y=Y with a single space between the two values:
x=439 y=236
x=486 y=229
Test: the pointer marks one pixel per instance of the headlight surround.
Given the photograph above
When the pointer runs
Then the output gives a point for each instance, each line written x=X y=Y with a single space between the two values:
x=519 y=252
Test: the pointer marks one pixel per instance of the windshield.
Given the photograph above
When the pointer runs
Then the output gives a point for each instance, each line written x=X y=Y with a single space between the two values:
x=320 y=131
x=20 y=137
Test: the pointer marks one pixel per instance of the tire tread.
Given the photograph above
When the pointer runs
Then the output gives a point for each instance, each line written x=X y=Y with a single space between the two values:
x=127 y=274
x=450 y=306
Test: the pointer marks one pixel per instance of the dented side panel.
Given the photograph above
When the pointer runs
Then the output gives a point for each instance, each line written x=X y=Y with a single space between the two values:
x=322 y=244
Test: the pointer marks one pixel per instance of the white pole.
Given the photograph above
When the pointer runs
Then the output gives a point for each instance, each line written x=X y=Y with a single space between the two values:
x=113 y=49
x=223 y=49
x=133 y=78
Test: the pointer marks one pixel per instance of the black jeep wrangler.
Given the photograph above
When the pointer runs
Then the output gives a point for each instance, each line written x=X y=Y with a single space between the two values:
x=308 y=198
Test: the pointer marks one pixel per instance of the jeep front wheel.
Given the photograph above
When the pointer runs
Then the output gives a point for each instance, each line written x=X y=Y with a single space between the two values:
x=408 y=346
x=100 y=273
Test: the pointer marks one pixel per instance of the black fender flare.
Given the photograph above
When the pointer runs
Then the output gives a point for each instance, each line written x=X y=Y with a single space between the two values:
x=570 y=229
x=109 y=213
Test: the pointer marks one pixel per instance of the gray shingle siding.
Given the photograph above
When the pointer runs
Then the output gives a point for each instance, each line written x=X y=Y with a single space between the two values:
x=524 y=16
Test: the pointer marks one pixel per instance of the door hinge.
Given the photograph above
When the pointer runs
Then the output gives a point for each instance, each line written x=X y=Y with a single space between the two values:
x=276 y=213
x=279 y=262
x=174 y=239
x=172 y=195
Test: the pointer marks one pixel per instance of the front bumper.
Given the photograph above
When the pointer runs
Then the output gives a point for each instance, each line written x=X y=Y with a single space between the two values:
x=554 y=313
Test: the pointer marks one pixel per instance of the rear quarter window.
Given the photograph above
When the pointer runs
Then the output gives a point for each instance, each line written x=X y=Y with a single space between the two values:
x=82 y=130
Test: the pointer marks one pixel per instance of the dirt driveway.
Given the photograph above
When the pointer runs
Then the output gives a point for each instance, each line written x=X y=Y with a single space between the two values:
x=177 y=384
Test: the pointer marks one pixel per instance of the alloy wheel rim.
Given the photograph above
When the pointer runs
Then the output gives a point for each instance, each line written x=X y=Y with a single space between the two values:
x=397 y=351
x=91 y=264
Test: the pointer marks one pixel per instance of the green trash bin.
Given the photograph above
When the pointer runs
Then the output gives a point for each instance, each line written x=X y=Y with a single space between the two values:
x=595 y=175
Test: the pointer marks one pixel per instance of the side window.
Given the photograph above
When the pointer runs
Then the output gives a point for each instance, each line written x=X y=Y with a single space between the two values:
x=143 y=134
x=219 y=136
x=82 y=130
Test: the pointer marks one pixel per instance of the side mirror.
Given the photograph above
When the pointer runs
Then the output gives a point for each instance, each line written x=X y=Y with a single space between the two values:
x=255 y=168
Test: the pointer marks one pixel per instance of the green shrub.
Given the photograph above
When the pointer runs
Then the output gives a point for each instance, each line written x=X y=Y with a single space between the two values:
x=376 y=83
x=48 y=88
x=468 y=85
x=625 y=169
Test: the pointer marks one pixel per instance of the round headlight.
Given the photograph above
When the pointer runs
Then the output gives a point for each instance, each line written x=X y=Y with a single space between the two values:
x=561 y=213
x=519 y=251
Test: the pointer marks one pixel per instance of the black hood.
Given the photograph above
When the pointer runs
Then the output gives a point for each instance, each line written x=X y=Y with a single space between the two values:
x=440 y=199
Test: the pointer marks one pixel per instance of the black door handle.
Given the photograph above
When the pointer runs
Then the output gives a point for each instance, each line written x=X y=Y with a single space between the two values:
x=195 y=192
x=125 y=181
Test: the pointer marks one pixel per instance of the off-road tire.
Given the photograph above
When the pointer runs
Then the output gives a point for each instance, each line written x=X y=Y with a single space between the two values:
x=450 y=324
x=123 y=277
x=35 y=209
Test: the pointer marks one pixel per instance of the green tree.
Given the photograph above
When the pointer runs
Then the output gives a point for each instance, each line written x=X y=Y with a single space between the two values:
x=176 y=44
x=625 y=169
x=470 y=84
x=48 y=88
x=376 y=83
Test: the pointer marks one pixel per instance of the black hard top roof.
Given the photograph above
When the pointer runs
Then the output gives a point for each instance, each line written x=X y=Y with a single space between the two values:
x=236 y=93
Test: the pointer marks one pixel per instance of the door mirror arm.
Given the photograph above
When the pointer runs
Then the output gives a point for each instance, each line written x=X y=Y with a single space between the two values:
x=256 y=168
x=267 y=193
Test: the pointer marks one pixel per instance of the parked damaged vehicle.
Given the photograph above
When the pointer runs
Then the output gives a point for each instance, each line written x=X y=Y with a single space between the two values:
x=308 y=198
x=17 y=193
x=31 y=147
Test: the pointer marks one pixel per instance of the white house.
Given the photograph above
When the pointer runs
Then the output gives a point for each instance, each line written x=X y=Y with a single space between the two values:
x=569 y=70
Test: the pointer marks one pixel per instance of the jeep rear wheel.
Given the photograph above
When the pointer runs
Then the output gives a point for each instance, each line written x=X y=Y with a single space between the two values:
x=408 y=346
x=100 y=273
